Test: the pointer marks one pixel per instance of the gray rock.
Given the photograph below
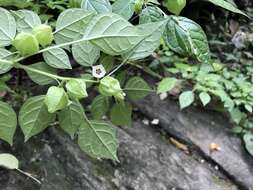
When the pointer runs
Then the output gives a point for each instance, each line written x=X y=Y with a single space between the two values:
x=201 y=128
x=148 y=162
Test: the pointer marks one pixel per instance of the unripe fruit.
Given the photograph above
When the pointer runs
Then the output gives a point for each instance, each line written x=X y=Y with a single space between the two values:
x=26 y=44
x=176 y=6
x=110 y=86
x=138 y=6
x=56 y=99
x=76 y=88
x=43 y=34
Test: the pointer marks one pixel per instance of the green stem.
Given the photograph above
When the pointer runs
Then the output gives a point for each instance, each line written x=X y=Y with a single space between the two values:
x=56 y=77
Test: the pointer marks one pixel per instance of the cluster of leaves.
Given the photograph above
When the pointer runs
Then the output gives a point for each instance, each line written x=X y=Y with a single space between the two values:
x=98 y=32
x=229 y=89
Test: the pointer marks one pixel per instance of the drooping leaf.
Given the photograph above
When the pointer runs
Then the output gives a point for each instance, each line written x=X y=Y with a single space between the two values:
x=8 y=122
x=98 y=139
x=71 y=25
x=5 y=66
x=56 y=99
x=205 y=98
x=136 y=88
x=100 y=6
x=125 y=8
x=39 y=78
x=85 y=53
x=8 y=161
x=70 y=118
x=26 y=20
x=107 y=61
x=236 y=115
x=113 y=34
x=7 y=28
x=99 y=107
x=151 y=14
x=150 y=42
x=186 y=99
x=121 y=114
x=166 y=85
x=57 y=58
x=34 y=117
x=187 y=38
x=227 y=5
x=248 y=140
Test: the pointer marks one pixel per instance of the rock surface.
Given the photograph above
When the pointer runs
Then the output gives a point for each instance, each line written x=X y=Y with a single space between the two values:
x=148 y=162
x=201 y=128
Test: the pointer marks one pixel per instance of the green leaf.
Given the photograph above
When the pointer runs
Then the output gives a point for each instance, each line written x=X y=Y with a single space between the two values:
x=76 y=88
x=70 y=118
x=34 y=117
x=166 y=85
x=99 y=107
x=39 y=78
x=57 y=58
x=7 y=28
x=5 y=66
x=100 y=6
x=113 y=34
x=8 y=122
x=136 y=88
x=187 y=38
x=227 y=5
x=26 y=20
x=71 y=25
x=56 y=99
x=150 y=42
x=248 y=140
x=151 y=14
x=85 y=53
x=186 y=99
x=98 y=140
x=125 y=8
x=108 y=62
x=175 y=6
x=121 y=114
x=236 y=115
x=8 y=161
x=205 y=98
x=16 y=3
x=248 y=108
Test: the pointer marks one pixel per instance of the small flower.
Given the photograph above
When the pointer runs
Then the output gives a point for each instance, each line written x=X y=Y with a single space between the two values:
x=98 y=71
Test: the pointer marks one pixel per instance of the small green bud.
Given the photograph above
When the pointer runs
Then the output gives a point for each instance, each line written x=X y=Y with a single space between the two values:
x=138 y=6
x=76 y=88
x=26 y=44
x=56 y=99
x=110 y=86
x=176 y=6
x=43 y=34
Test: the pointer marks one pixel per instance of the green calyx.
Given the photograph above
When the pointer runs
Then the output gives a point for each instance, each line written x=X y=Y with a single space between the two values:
x=76 y=89
x=43 y=34
x=138 y=6
x=110 y=86
x=26 y=44
x=175 y=6
x=56 y=99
